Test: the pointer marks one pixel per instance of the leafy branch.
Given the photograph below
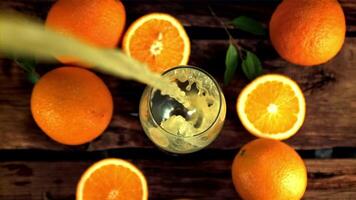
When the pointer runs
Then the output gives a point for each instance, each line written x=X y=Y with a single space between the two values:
x=29 y=66
x=237 y=55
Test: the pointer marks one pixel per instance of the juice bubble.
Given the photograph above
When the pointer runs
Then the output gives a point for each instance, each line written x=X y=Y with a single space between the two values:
x=186 y=130
x=202 y=95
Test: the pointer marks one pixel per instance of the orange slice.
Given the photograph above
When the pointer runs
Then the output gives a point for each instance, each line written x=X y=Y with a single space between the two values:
x=272 y=106
x=158 y=40
x=112 y=179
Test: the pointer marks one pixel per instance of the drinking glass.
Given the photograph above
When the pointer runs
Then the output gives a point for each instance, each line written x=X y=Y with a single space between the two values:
x=173 y=136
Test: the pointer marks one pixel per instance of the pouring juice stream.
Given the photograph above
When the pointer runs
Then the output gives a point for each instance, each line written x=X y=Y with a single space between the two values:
x=21 y=36
x=26 y=37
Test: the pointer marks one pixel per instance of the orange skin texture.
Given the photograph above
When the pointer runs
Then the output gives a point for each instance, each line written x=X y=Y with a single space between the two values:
x=266 y=169
x=97 y=22
x=308 y=32
x=71 y=105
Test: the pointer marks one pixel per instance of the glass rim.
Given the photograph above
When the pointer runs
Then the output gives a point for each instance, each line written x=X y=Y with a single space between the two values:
x=210 y=77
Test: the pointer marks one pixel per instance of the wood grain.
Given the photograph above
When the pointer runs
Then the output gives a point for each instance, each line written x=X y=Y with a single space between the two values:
x=331 y=114
x=193 y=14
x=174 y=179
x=329 y=89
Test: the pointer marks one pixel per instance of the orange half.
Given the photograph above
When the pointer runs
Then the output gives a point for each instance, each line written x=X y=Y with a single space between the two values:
x=159 y=40
x=112 y=179
x=272 y=106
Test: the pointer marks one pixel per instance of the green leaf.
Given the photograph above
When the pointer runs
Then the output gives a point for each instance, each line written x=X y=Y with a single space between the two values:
x=231 y=61
x=251 y=65
x=33 y=77
x=26 y=64
x=29 y=66
x=249 y=25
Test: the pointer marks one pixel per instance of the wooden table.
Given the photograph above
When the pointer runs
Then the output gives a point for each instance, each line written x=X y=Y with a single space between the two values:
x=34 y=167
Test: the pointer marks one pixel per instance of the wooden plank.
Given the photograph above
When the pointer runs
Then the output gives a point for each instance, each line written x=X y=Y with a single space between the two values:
x=329 y=89
x=190 y=13
x=174 y=179
x=330 y=95
x=329 y=181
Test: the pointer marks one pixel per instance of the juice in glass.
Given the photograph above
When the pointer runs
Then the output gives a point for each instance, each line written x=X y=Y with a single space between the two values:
x=184 y=129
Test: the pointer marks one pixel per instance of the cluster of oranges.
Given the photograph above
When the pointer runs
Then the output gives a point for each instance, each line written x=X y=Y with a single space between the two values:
x=73 y=106
x=272 y=107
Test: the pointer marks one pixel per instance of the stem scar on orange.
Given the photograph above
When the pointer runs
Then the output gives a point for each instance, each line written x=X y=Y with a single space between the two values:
x=97 y=22
x=270 y=170
x=71 y=105
x=308 y=32
x=159 y=40
x=112 y=179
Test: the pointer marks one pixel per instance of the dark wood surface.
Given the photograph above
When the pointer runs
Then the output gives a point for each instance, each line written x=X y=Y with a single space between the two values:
x=33 y=166
x=169 y=179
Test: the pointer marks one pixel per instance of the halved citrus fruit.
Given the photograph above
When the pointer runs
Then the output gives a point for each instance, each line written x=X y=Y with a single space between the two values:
x=159 y=40
x=272 y=106
x=112 y=179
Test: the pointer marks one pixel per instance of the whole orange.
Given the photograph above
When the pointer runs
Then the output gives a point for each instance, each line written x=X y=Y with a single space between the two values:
x=308 y=32
x=267 y=169
x=97 y=22
x=71 y=105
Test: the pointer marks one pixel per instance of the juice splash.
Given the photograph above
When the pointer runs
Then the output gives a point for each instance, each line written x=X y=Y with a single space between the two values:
x=203 y=96
x=176 y=129
x=25 y=37
x=205 y=105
